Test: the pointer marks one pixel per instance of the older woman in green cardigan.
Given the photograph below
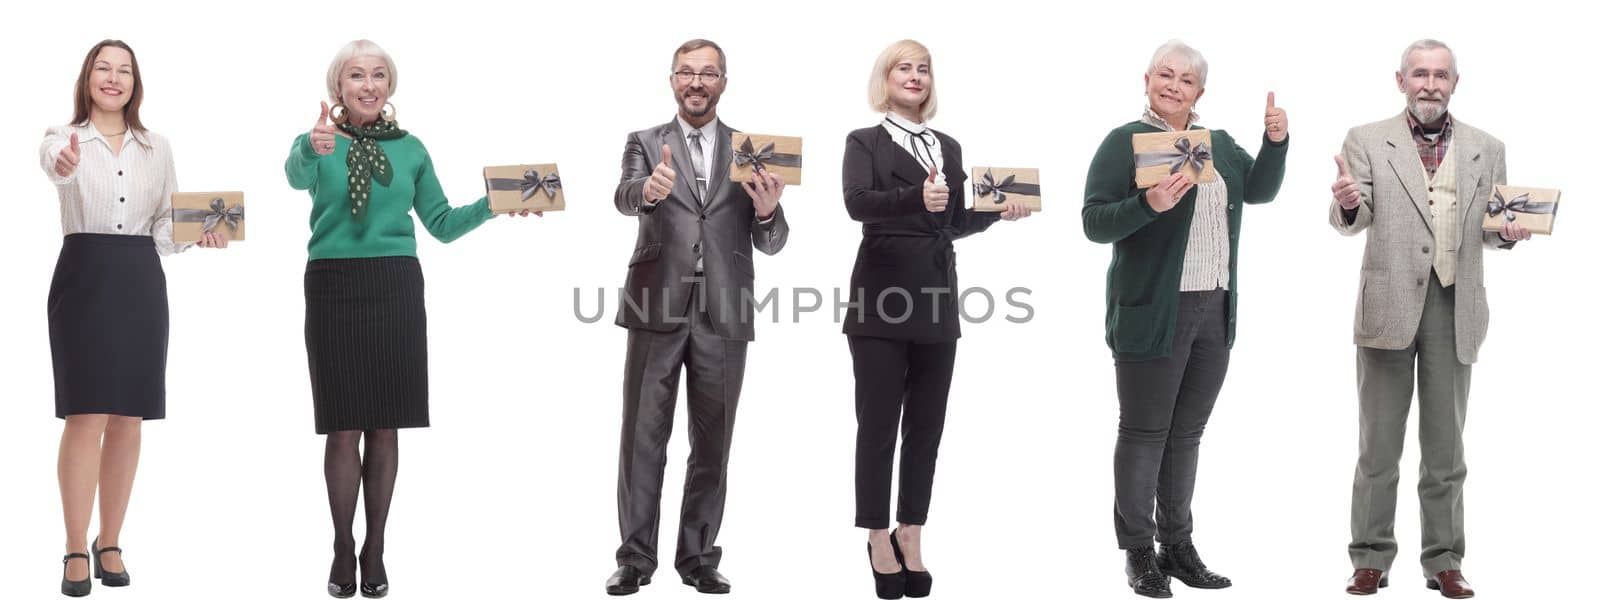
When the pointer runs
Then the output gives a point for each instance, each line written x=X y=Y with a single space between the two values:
x=1170 y=310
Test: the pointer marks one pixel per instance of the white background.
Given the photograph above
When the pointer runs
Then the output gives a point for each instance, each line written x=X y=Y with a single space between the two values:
x=513 y=488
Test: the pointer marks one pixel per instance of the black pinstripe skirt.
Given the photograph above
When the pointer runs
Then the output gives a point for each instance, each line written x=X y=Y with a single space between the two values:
x=108 y=327
x=367 y=343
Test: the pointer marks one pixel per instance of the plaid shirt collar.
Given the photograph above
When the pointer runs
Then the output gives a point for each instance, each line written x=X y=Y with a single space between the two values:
x=1423 y=137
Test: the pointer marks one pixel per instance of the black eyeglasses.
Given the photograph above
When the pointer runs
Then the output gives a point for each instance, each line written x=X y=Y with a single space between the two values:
x=686 y=77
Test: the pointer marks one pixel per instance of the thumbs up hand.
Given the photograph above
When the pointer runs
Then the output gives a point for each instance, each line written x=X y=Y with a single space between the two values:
x=322 y=133
x=1276 y=121
x=1345 y=190
x=935 y=195
x=661 y=179
x=67 y=160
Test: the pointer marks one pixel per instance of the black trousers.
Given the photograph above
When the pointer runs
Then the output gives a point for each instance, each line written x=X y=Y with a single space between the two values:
x=649 y=398
x=894 y=376
x=1165 y=404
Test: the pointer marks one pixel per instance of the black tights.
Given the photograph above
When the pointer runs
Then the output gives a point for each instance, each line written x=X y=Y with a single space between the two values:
x=347 y=470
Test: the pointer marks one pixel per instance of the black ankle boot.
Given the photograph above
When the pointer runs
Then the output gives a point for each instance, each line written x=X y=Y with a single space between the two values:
x=1182 y=562
x=1144 y=576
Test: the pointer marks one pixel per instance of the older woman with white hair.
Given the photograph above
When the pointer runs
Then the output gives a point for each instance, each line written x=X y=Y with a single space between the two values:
x=903 y=182
x=366 y=328
x=1170 y=309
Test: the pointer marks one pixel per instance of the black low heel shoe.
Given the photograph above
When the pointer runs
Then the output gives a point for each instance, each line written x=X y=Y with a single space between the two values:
x=918 y=583
x=75 y=589
x=374 y=590
x=107 y=578
x=891 y=586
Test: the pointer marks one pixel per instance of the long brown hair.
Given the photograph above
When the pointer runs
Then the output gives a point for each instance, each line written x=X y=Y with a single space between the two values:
x=82 y=102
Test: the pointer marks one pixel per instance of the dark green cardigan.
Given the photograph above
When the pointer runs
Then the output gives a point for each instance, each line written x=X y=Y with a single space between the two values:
x=1147 y=247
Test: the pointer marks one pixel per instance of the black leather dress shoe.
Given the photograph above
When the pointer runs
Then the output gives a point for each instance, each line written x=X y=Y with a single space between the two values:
x=626 y=580
x=79 y=588
x=1182 y=562
x=1144 y=574
x=374 y=590
x=108 y=578
x=706 y=580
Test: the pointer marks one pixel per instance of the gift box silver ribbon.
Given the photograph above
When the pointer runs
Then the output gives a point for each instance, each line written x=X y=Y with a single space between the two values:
x=1186 y=153
x=217 y=213
x=1520 y=204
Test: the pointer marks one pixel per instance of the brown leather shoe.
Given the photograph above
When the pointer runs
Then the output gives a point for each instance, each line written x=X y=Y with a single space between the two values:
x=1450 y=584
x=1365 y=582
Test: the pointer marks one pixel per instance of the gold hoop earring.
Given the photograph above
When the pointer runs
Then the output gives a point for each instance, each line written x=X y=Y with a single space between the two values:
x=390 y=113
x=339 y=113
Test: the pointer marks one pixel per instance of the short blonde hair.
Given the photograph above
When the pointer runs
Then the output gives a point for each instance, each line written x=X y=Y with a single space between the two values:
x=878 y=83
x=356 y=49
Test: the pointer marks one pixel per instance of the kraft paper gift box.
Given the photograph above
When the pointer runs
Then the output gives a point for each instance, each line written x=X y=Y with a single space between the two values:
x=1159 y=155
x=754 y=152
x=515 y=188
x=1533 y=208
x=995 y=188
x=197 y=213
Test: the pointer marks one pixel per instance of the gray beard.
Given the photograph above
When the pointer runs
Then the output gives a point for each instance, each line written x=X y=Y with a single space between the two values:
x=1427 y=113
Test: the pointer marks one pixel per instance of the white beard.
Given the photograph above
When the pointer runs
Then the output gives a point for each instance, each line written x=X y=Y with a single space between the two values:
x=1427 y=112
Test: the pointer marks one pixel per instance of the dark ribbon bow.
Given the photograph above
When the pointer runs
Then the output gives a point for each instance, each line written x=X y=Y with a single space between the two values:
x=217 y=213
x=1520 y=204
x=747 y=154
x=529 y=184
x=986 y=185
x=1187 y=153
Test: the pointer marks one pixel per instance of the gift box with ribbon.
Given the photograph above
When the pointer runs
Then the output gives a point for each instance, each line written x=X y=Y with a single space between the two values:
x=197 y=213
x=515 y=188
x=775 y=153
x=1157 y=156
x=1533 y=208
x=995 y=188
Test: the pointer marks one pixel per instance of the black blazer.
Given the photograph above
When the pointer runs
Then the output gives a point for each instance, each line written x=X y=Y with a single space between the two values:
x=904 y=282
x=723 y=229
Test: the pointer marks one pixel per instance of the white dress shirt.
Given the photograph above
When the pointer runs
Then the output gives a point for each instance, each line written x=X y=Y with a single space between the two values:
x=918 y=140
x=125 y=193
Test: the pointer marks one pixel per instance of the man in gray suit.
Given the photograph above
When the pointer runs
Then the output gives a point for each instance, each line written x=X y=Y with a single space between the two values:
x=688 y=302
x=1419 y=184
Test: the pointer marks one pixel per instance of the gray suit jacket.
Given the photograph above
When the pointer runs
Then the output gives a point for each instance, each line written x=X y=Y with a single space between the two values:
x=722 y=227
x=1382 y=157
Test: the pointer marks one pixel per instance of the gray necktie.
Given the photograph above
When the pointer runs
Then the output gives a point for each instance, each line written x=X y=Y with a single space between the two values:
x=698 y=157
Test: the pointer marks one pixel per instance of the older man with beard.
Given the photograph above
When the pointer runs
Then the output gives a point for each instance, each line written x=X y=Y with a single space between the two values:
x=687 y=303
x=1421 y=182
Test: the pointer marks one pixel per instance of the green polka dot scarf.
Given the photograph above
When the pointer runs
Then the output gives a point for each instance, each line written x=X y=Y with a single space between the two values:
x=366 y=161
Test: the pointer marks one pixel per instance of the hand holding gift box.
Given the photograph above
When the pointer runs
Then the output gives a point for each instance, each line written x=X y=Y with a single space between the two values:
x=517 y=188
x=754 y=153
x=1532 y=208
x=196 y=214
x=995 y=188
x=1157 y=156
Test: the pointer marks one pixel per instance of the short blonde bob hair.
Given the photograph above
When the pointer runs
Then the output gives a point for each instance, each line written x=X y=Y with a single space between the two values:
x=878 y=83
x=356 y=49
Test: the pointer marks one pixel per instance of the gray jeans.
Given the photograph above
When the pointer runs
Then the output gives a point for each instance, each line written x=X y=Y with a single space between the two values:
x=1384 y=379
x=1165 y=404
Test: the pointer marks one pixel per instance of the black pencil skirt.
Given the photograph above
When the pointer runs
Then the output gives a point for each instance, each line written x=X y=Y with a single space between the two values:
x=108 y=327
x=367 y=343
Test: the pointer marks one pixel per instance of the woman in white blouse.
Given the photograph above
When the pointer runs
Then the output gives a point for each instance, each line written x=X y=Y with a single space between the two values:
x=108 y=301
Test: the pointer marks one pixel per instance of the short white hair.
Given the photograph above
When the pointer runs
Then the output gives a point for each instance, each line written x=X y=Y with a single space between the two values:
x=356 y=49
x=1426 y=44
x=1183 y=52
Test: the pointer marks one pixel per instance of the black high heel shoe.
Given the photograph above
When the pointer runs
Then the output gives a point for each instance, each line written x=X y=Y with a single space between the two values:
x=75 y=589
x=890 y=585
x=108 y=578
x=342 y=590
x=373 y=589
x=918 y=583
